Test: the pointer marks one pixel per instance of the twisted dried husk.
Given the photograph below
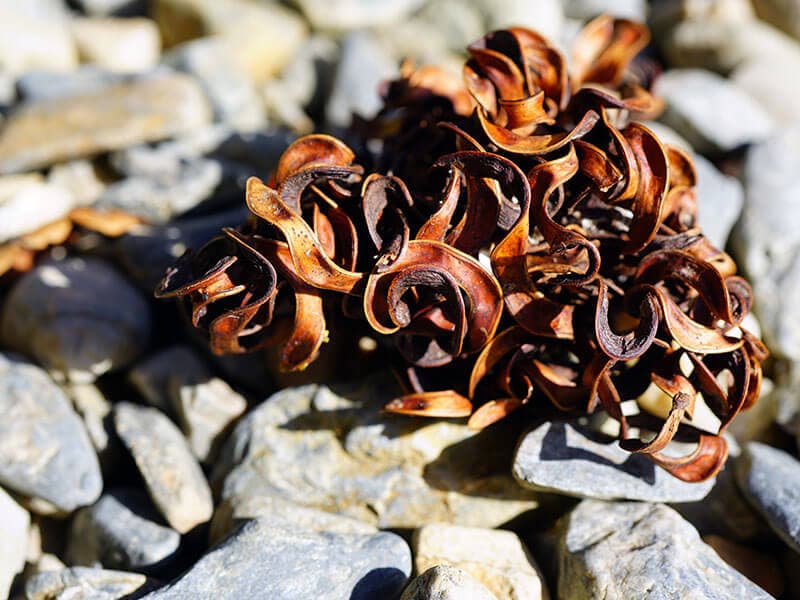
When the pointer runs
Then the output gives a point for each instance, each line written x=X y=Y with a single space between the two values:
x=521 y=238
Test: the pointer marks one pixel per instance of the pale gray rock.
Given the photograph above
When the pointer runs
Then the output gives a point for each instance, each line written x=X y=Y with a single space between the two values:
x=107 y=7
x=179 y=382
x=281 y=513
x=34 y=86
x=44 y=450
x=262 y=561
x=768 y=81
x=42 y=133
x=363 y=65
x=79 y=178
x=568 y=459
x=446 y=583
x=130 y=45
x=588 y=9
x=30 y=38
x=94 y=408
x=495 y=558
x=338 y=452
x=547 y=18
x=356 y=14
x=27 y=203
x=78 y=317
x=770 y=479
x=83 y=583
x=710 y=112
x=459 y=23
x=719 y=201
x=626 y=549
x=231 y=92
x=173 y=477
x=767 y=248
x=120 y=531
x=14 y=523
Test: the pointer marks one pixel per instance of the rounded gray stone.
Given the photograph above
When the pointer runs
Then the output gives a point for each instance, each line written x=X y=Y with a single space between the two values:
x=770 y=480
x=171 y=472
x=45 y=452
x=567 y=459
x=120 y=531
x=78 y=317
x=262 y=561
x=622 y=550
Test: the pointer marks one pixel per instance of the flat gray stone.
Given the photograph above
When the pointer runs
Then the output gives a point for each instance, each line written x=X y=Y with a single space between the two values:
x=44 y=450
x=48 y=85
x=770 y=480
x=567 y=459
x=446 y=583
x=120 y=531
x=710 y=112
x=261 y=561
x=626 y=550
x=337 y=451
x=14 y=523
x=719 y=201
x=172 y=474
x=78 y=317
x=42 y=133
x=83 y=583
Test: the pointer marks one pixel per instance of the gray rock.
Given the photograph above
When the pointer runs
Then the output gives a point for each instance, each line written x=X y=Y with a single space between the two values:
x=146 y=252
x=719 y=201
x=588 y=9
x=356 y=14
x=446 y=583
x=33 y=39
x=260 y=561
x=80 y=178
x=767 y=247
x=316 y=448
x=626 y=549
x=173 y=477
x=78 y=317
x=44 y=450
x=710 y=112
x=106 y=7
x=770 y=479
x=497 y=559
x=364 y=64
x=14 y=523
x=94 y=408
x=459 y=23
x=34 y=86
x=119 y=531
x=229 y=89
x=567 y=459
x=179 y=382
x=261 y=36
x=158 y=200
x=547 y=19
x=783 y=14
x=130 y=45
x=82 y=583
x=767 y=80
x=50 y=131
x=27 y=203
x=283 y=514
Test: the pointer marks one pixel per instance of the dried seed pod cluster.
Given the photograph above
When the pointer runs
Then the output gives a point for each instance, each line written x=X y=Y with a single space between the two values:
x=519 y=236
